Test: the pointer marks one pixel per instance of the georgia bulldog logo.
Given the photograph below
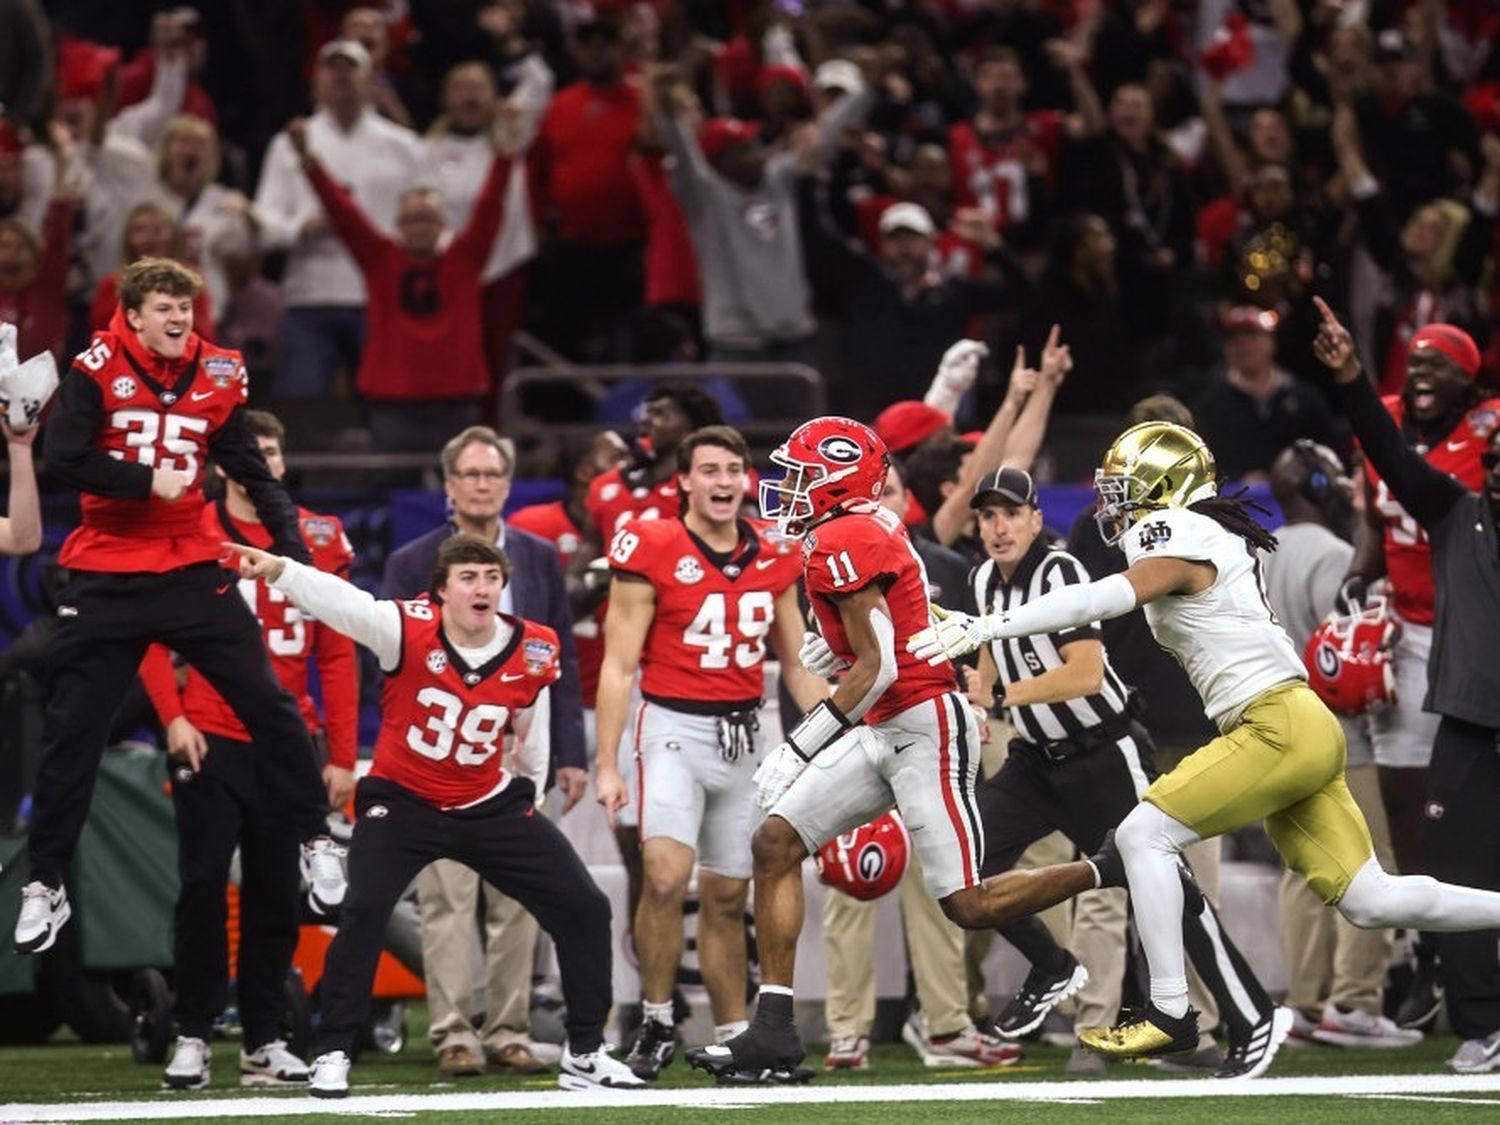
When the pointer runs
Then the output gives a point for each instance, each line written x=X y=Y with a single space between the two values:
x=1328 y=660
x=840 y=450
x=123 y=387
x=437 y=662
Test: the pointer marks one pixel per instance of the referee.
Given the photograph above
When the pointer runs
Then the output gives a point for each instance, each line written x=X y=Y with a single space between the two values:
x=1079 y=764
x=1461 y=839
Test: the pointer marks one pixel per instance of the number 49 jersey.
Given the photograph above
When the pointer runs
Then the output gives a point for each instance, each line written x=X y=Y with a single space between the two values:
x=707 y=640
x=442 y=723
x=846 y=554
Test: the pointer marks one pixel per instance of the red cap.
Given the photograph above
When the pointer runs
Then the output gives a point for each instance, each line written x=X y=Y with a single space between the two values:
x=82 y=66
x=783 y=72
x=10 y=140
x=1452 y=341
x=907 y=423
x=1243 y=317
x=720 y=134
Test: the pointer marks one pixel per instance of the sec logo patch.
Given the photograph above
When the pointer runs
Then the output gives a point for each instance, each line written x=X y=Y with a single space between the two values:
x=123 y=387
x=437 y=662
x=689 y=570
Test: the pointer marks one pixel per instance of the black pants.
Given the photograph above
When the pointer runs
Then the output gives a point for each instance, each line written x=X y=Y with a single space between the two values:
x=1083 y=796
x=1461 y=840
x=521 y=853
x=222 y=806
x=105 y=623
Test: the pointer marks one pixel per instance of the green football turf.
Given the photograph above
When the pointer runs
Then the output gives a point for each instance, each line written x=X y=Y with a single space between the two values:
x=65 y=1071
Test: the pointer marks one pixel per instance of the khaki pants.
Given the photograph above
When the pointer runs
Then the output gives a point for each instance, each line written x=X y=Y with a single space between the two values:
x=934 y=945
x=1330 y=961
x=449 y=896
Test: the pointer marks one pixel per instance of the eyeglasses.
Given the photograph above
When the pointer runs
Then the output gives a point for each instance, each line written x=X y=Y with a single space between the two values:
x=474 y=476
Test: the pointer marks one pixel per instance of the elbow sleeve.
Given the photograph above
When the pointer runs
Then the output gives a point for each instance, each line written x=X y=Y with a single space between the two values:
x=885 y=634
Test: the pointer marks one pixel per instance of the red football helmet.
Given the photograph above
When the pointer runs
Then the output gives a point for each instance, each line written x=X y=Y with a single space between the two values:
x=868 y=862
x=1348 y=660
x=829 y=462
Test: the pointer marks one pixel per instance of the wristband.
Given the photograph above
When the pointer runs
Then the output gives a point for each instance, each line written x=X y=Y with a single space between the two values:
x=818 y=728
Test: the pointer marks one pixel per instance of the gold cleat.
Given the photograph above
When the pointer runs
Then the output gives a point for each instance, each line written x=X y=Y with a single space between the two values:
x=1150 y=1034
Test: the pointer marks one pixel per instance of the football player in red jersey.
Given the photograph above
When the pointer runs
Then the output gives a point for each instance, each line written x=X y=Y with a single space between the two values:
x=1444 y=417
x=444 y=784
x=895 y=732
x=137 y=417
x=220 y=807
x=693 y=602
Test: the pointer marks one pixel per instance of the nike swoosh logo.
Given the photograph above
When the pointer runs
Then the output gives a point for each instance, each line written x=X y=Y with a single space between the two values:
x=904 y=746
x=763 y=563
x=582 y=1069
x=199 y=396
x=511 y=677
x=1457 y=446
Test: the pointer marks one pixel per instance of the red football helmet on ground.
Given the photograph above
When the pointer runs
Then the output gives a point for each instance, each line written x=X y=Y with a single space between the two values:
x=868 y=862
x=1348 y=660
x=829 y=462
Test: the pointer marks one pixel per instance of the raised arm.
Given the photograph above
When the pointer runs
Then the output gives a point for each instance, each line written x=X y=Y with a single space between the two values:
x=236 y=451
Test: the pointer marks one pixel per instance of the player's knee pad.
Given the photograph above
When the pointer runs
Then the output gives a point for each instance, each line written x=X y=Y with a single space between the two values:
x=1376 y=899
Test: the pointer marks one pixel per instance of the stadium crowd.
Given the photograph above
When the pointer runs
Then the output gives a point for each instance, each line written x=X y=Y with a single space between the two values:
x=997 y=231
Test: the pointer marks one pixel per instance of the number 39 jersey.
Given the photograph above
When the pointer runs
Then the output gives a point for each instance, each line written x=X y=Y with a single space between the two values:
x=1408 y=555
x=846 y=554
x=442 y=723
x=707 y=640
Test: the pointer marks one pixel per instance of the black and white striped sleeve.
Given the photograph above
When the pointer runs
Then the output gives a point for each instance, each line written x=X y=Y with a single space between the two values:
x=1058 y=570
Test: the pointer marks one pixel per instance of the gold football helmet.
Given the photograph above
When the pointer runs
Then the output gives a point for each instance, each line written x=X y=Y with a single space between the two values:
x=1151 y=466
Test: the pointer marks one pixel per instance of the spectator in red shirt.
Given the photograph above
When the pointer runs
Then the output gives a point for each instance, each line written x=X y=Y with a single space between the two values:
x=150 y=232
x=34 y=278
x=582 y=165
x=423 y=369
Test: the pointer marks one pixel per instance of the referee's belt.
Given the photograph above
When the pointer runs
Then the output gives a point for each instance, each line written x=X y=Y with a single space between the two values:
x=1107 y=733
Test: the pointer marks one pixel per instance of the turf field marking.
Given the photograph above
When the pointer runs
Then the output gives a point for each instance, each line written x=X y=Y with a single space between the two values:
x=364 y=1105
x=1424 y=1098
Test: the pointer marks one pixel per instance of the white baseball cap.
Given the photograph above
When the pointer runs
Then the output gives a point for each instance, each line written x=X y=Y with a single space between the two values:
x=907 y=216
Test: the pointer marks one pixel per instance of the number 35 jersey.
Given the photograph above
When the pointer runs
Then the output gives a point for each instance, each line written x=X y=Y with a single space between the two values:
x=442 y=723
x=707 y=641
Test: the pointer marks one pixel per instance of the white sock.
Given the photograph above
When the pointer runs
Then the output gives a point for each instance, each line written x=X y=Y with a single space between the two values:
x=1151 y=843
x=1170 y=995
x=724 y=1032
x=660 y=1013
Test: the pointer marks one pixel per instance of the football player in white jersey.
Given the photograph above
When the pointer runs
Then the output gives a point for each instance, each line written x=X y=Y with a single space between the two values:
x=1194 y=567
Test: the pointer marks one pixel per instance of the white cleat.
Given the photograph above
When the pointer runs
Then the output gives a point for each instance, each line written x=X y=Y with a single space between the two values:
x=330 y=1076
x=323 y=871
x=44 y=911
x=272 y=1065
x=597 y=1070
x=191 y=1065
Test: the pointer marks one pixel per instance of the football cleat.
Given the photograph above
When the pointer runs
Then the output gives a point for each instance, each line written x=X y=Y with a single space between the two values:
x=758 y=1054
x=272 y=1065
x=44 y=911
x=1424 y=999
x=1147 y=1035
x=330 y=1076
x=191 y=1065
x=654 y=1048
x=771 y=1076
x=1040 y=993
x=595 y=1070
x=323 y=872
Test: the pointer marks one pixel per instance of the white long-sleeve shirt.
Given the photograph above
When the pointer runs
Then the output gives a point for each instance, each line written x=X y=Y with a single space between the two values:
x=376 y=624
x=213 y=230
x=376 y=159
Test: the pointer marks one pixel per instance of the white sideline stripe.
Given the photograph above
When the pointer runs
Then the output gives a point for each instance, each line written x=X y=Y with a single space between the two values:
x=999 y=1090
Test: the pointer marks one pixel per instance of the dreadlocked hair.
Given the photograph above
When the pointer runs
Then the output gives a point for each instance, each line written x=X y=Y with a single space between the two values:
x=1232 y=513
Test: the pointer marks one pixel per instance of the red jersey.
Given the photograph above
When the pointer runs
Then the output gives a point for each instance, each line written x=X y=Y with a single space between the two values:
x=552 y=523
x=291 y=639
x=707 y=639
x=156 y=414
x=846 y=554
x=582 y=157
x=1408 y=555
x=442 y=723
x=995 y=178
x=613 y=501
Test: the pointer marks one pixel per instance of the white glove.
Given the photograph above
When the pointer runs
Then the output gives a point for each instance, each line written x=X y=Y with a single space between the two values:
x=774 y=776
x=952 y=634
x=818 y=658
x=956 y=373
x=25 y=388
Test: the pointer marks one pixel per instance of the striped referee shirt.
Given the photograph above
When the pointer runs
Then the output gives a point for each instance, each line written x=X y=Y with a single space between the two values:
x=1045 y=568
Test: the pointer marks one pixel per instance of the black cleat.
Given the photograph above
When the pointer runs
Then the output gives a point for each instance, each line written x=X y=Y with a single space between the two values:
x=763 y=1049
x=1424 y=999
x=1107 y=862
x=776 y=1076
x=1252 y=1058
x=1040 y=993
x=655 y=1046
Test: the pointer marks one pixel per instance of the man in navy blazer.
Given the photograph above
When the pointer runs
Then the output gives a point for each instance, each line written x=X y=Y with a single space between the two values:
x=477 y=468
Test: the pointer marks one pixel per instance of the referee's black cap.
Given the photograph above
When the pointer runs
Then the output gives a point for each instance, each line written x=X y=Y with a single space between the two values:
x=1007 y=485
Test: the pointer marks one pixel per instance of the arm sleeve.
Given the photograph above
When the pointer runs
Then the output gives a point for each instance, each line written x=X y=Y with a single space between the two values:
x=57 y=243
x=338 y=674
x=236 y=451
x=531 y=754
x=71 y=458
x=1063 y=572
x=688 y=169
x=346 y=216
x=484 y=222
x=838 y=263
x=1070 y=607
x=148 y=119
x=1426 y=493
x=277 y=208
x=160 y=680
x=345 y=607
x=851 y=109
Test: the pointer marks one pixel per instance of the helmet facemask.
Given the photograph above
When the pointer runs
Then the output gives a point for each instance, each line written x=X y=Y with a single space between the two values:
x=788 y=501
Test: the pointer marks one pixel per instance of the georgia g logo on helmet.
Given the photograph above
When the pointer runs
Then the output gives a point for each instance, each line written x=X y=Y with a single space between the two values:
x=840 y=449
